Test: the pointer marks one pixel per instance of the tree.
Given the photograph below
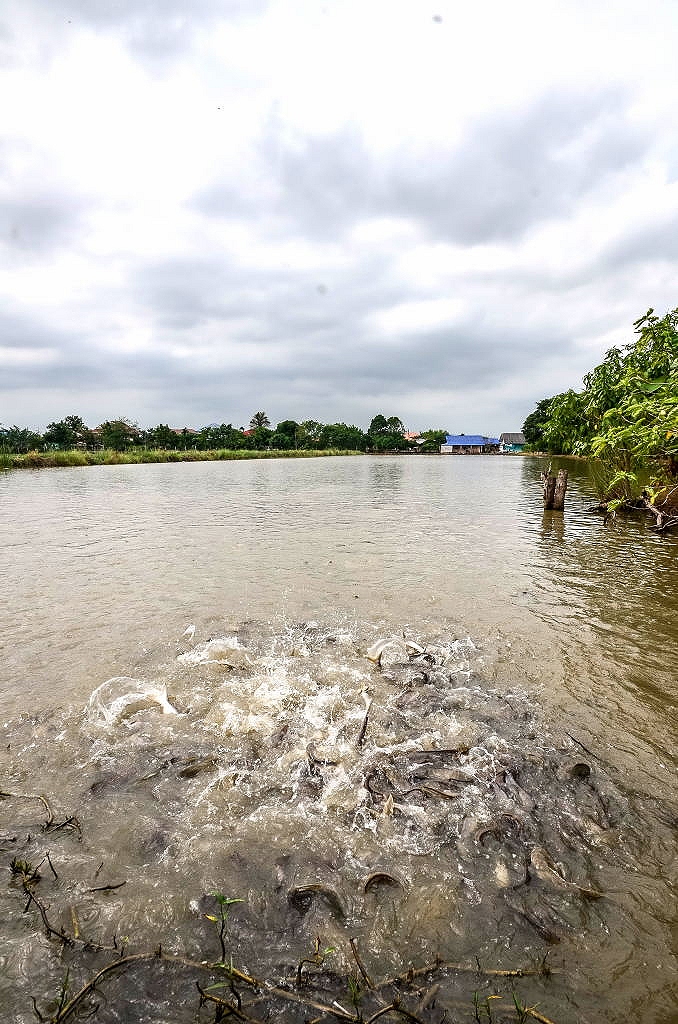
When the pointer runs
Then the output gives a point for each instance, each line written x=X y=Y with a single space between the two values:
x=260 y=419
x=343 y=437
x=19 y=439
x=308 y=434
x=161 y=436
x=642 y=422
x=432 y=440
x=224 y=436
x=565 y=428
x=260 y=439
x=627 y=414
x=387 y=434
x=285 y=436
x=118 y=434
x=533 y=427
x=67 y=433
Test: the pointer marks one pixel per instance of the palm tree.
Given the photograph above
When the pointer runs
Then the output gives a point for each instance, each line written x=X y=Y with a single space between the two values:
x=260 y=419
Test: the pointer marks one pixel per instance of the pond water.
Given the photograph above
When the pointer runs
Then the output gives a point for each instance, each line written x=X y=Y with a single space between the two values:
x=387 y=699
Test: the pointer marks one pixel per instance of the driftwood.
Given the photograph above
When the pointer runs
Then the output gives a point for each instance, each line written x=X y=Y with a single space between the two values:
x=664 y=519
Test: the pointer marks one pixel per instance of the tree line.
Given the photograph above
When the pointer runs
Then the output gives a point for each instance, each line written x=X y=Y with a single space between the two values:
x=72 y=433
x=626 y=416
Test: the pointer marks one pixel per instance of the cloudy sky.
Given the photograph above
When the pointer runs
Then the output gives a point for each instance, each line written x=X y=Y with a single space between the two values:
x=326 y=209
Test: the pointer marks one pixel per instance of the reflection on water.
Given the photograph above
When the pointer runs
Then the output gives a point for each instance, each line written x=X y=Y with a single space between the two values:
x=104 y=568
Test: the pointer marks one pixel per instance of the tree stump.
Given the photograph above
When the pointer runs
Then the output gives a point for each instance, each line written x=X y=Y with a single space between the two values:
x=559 y=493
x=549 y=483
x=554 y=489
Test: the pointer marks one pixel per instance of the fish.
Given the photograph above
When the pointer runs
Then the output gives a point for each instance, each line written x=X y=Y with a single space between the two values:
x=137 y=697
x=378 y=878
x=546 y=870
x=517 y=793
x=387 y=651
x=302 y=896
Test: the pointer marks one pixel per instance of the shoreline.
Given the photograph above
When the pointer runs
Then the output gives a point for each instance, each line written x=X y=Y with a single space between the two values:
x=108 y=457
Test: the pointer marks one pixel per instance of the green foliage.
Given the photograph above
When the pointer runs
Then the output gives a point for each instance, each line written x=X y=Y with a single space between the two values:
x=533 y=427
x=67 y=433
x=118 y=434
x=432 y=440
x=19 y=439
x=387 y=434
x=341 y=435
x=627 y=414
x=260 y=419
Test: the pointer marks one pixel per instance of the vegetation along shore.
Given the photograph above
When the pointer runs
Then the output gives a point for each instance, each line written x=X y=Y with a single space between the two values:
x=625 y=420
x=110 y=457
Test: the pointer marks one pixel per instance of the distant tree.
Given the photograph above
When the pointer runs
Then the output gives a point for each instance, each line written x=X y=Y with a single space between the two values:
x=260 y=419
x=19 y=439
x=224 y=436
x=387 y=434
x=308 y=434
x=118 y=434
x=260 y=439
x=285 y=436
x=161 y=436
x=343 y=437
x=432 y=440
x=377 y=426
x=67 y=433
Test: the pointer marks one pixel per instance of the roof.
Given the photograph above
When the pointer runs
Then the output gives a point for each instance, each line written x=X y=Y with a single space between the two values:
x=513 y=438
x=470 y=439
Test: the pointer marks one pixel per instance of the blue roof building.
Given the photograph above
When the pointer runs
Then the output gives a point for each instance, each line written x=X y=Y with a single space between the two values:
x=469 y=444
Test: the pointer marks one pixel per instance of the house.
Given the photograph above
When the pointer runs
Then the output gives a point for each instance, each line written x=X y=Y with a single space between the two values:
x=510 y=443
x=469 y=444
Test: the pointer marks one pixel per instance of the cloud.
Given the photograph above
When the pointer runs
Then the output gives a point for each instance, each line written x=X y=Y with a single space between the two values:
x=324 y=211
x=36 y=223
x=151 y=30
x=508 y=171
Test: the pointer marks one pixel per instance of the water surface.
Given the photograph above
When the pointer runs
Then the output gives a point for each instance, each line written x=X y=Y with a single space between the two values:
x=549 y=637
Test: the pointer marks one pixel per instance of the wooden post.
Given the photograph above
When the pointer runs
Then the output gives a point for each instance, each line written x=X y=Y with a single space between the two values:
x=559 y=494
x=549 y=483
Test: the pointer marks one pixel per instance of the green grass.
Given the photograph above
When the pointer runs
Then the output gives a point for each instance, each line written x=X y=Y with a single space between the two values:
x=51 y=460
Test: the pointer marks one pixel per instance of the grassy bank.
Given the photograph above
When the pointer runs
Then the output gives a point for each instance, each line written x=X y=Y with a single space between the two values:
x=51 y=460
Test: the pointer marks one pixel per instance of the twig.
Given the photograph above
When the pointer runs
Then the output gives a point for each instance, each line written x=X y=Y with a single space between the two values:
x=207 y=997
x=538 y=1016
x=394 y=1007
x=49 y=861
x=449 y=965
x=107 y=888
x=30 y=796
x=61 y=934
x=361 y=966
x=36 y=1011
x=580 y=744
x=67 y=1011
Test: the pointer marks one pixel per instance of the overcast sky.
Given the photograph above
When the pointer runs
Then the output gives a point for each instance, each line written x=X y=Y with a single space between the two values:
x=327 y=209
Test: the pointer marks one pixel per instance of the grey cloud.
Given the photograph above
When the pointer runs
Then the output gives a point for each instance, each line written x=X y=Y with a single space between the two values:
x=36 y=223
x=152 y=28
x=19 y=331
x=280 y=305
x=507 y=174
x=656 y=242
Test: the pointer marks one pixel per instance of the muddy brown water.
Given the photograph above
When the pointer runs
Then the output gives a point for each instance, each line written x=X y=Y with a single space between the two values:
x=381 y=699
